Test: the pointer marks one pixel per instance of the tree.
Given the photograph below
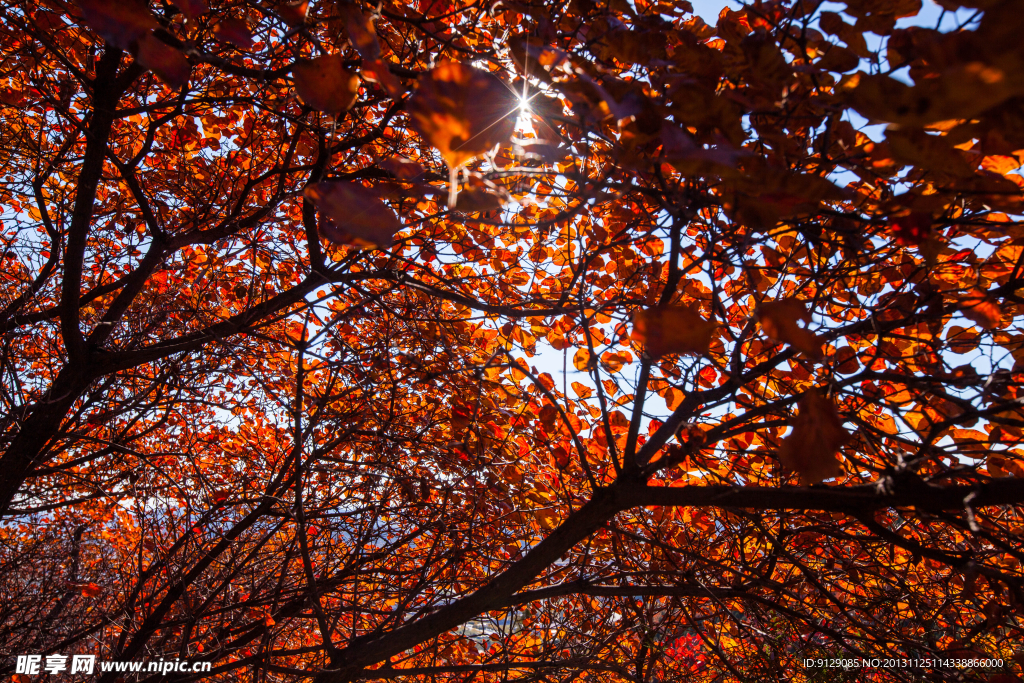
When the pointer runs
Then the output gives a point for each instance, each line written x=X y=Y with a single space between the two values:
x=512 y=341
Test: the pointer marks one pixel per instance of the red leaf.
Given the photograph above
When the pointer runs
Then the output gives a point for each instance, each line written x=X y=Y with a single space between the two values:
x=191 y=8
x=913 y=229
x=982 y=310
x=293 y=14
x=402 y=168
x=378 y=72
x=121 y=24
x=325 y=84
x=168 y=63
x=810 y=450
x=234 y=31
x=356 y=211
x=360 y=31
x=91 y=590
x=462 y=110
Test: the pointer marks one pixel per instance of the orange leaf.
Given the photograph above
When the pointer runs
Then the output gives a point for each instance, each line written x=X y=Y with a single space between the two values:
x=582 y=390
x=463 y=111
x=997 y=466
x=325 y=84
x=779 y=321
x=818 y=432
x=519 y=368
x=672 y=329
x=845 y=361
x=356 y=212
x=982 y=310
x=234 y=31
x=614 y=360
x=268 y=620
x=581 y=360
x=91 y=590
x=165 y=61
x=561 y=457
x=121 y=24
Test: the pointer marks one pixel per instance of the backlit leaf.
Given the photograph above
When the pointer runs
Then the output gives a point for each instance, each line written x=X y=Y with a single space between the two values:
x=234 y=31
x=356 y=211
x=582 y=390
x=165 y=61
x=779 y=321
x=121 y=24
x=982 y=310
x=360 y=31
x=462 y=110
x=191 y=8
x=325 y=84
x=293 y=14
x=818 y=432
x=672 y=329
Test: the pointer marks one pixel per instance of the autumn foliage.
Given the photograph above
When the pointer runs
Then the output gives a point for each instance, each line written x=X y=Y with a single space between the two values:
x=513 y=340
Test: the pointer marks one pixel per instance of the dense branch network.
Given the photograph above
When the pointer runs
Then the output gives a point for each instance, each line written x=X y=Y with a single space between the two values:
x=511 y=341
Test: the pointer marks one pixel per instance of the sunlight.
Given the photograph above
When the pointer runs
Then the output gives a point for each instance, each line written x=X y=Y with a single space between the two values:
x=524 y=122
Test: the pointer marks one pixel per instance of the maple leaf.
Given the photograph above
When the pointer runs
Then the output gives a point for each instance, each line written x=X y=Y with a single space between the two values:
x=356 y=211
x=325 y=84
x=91 y=590
x=818 y=432
x=462 y=111
x=672 y=329
x=779 y=321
